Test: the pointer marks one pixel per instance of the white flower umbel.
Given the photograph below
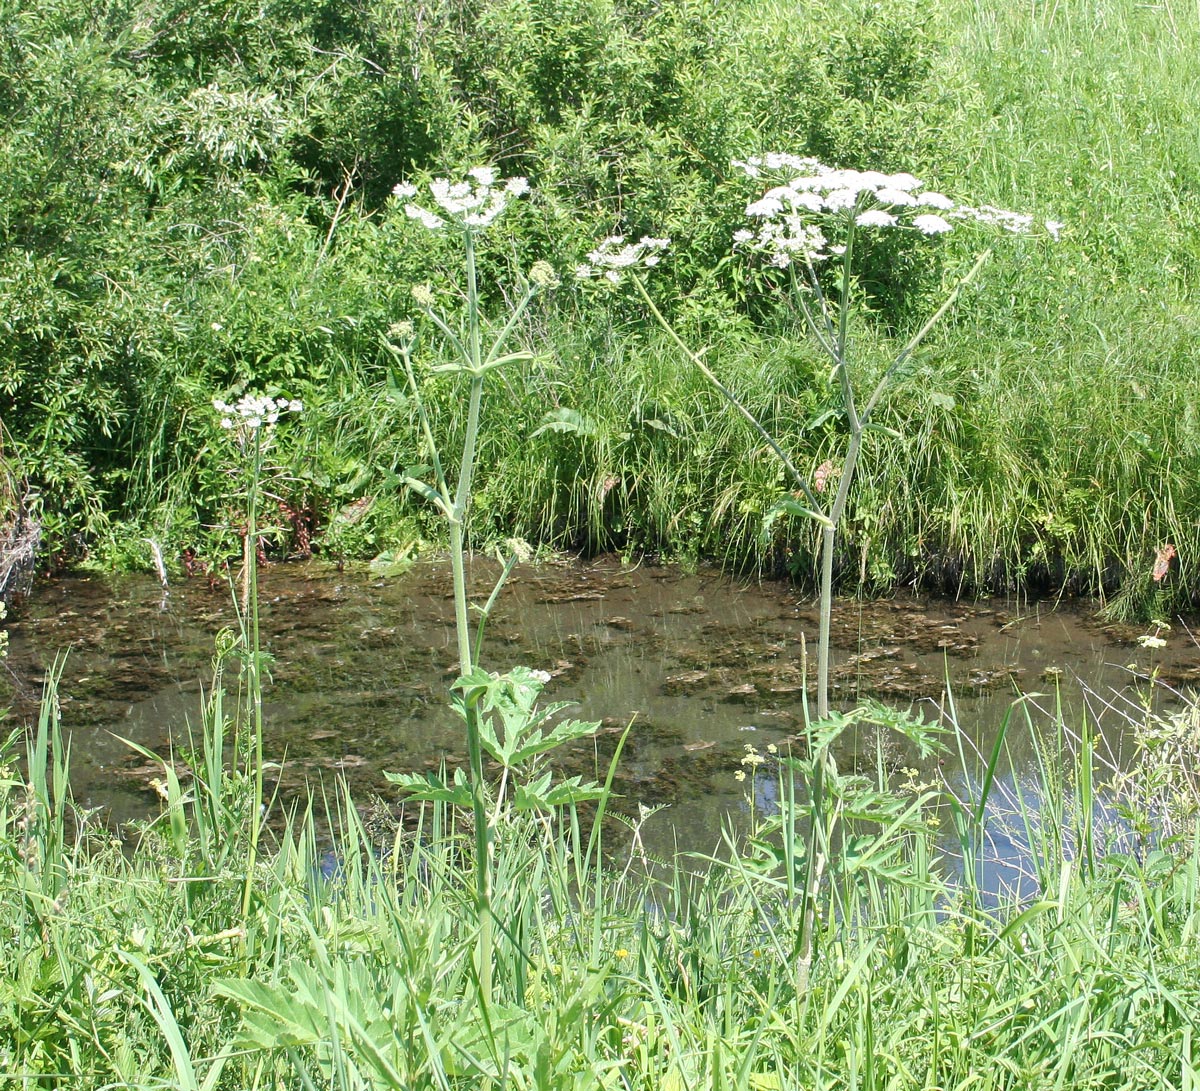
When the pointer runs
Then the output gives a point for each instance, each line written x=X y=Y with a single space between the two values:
x=254 y=411
x=472 y=205
x=614 y=257
x=807 y=215
x=930 y=224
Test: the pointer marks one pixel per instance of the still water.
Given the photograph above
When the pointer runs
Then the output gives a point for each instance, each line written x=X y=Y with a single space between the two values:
x=703 y=664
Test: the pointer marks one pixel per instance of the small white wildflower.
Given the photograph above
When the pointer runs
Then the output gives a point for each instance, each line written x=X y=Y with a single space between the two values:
x=1149 y=641
x=1055 y=228
x=1014 y=222
x=765 y=206
x=613 y=257
x=252 y=411
x=840 y=199
x=485 y=176
x=929 y=224
x=405 y=190
x=889 y=195
x=427 y=218
x=873 y=179
x=805 y=199
x=875 y=217
x=540 y=676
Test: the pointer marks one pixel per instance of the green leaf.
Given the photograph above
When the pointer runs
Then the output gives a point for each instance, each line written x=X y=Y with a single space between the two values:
x=394 y=392
x=430 y=493
x=430 y=788
x=567 y=421
x=500 y=361
x=789 y=505
x=660 y=425
x=821 y=418
x=392 y=562
x=272 y=1017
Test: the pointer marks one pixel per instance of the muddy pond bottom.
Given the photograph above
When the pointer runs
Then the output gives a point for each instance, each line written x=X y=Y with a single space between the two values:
x=708 y=669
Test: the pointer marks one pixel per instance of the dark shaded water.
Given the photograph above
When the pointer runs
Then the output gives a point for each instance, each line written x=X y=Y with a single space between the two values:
x=705 y=666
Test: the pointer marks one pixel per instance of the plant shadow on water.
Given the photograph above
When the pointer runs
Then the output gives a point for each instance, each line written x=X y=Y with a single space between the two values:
x=709 y=669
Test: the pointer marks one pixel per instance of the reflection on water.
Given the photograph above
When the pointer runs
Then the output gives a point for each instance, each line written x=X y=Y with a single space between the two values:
x=703 y=664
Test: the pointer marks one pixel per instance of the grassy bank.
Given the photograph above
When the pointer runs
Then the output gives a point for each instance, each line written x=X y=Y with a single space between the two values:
x=353 y=964
x=216 y=219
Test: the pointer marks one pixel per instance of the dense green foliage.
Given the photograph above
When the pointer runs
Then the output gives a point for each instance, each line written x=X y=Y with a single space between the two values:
x=194 y=201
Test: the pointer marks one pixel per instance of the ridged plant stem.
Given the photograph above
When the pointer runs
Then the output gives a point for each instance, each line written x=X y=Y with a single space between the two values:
x=458 y=515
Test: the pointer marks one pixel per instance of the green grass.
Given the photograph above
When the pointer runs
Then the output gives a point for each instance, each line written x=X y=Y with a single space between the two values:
x=353 y=966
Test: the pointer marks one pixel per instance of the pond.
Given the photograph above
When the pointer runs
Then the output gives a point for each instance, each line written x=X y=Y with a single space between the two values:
x=706 y=666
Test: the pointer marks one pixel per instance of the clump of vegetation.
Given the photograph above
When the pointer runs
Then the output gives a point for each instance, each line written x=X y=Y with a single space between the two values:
x=202 y=206
x=852 y=938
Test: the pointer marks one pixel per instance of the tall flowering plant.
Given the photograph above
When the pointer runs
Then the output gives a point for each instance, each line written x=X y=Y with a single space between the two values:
x=498 y=710
x=808 y=223
x=250 y=424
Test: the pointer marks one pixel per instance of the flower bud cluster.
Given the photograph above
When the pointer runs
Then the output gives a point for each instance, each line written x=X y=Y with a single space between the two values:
x=613 y=257
x=542 y=275
x=794 y=219
x=473 y=204
x=401 y=331
x=252 y=411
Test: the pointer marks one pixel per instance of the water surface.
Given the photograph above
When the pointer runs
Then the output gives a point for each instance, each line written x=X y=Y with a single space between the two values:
x=704 y=665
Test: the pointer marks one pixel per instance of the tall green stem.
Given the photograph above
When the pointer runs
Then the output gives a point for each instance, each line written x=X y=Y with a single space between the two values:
x=458 y=515
x=826 y=621
x=253 y=666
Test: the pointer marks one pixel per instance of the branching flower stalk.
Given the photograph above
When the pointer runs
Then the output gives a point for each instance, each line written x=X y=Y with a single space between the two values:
x=469 y=208
x=252 y=421
x=814 y=214
x=817 y=213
